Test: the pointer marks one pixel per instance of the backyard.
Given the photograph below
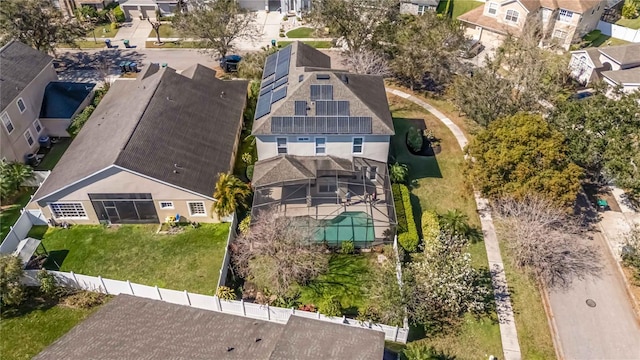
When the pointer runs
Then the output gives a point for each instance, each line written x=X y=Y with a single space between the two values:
x=190 y=260
x=53 y=155
x=630 y=23
x=9 y=214
x=457 y=7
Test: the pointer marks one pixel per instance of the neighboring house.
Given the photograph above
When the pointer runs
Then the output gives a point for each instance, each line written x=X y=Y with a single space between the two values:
x=69 y=7
x=322 y=137
x=130 y=327
x=563 y=21
x=283 y=6
x=616 y=65
x=418 y=7
x=146 y=9
x=152 y=148
x=32 y=103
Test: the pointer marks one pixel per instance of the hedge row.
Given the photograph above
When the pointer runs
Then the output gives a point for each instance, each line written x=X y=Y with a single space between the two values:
x=430 y=227
x=409 y=239
x=400 y=212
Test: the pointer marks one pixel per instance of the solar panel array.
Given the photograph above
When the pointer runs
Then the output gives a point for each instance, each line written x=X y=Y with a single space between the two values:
x=331 y=107
x=274 y=78
x=300 y=107
x=321 y=92
x=321 y=125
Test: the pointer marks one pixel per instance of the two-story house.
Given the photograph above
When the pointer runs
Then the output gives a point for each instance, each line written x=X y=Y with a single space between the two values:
x=562 y=21
x=616 y=65
x=32 y=102
x=322 y=137
x=418 y=7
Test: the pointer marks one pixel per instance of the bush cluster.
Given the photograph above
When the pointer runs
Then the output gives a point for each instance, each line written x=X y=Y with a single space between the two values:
x=400 y=211
x=430 y=227
x=347 y=247
x=415 y=139
x=408 y=240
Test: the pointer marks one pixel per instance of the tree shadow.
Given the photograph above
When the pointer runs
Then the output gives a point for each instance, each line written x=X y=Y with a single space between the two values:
x=55 y=259
x=416 y=208
x=83 y=60
x=419 y=166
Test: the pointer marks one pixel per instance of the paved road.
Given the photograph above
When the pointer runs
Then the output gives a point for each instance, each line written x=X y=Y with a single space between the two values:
x=607 y=331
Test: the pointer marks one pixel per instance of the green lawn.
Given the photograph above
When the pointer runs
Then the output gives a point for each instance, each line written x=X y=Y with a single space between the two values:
x=189 y=261
x=55 y=153
x=10 y=213
x=605 y=40
x=24 y=336
x=315 y=44
x=102 y=31
x=458 y=7
x=90 y=44
x=301 y=33
x=630 y=23
x=167 y=31
x=345 y=279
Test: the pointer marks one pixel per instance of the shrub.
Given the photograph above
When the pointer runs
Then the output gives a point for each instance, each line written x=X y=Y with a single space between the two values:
x=249 y=172
x=245 y=224
x=629 y=10
x=414 y=139
x=400 y=211
x=48 y=284
x=11 y=288
x=430 y=227
x=408 y=240
x=330 y=306
x=225 y=293
x=398 y=173
x=119 y=14
x=78 y=122
x=347 y=247
x=85 y=300
x=114 y=26
x=247 y=158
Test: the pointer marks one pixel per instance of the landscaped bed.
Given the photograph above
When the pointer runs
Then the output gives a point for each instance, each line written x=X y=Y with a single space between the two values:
x=301 y=33
x=190 y=260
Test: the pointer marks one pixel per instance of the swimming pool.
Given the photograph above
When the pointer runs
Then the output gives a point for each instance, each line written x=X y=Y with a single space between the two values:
x=356 y=226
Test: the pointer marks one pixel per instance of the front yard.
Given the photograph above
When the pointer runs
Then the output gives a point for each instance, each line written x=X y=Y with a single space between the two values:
x=190 y=260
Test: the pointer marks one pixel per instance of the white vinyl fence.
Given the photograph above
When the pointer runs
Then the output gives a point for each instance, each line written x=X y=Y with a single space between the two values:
x=619 y=32
x=20 y=229
x=206 y=302
x=227 y=256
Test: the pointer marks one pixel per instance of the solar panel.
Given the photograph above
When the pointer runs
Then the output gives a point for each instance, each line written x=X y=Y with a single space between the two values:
x=298 y=125
x=287 y=124
x=267 y=81
x=343 y=125
x=265 y=90
x=343 y=108
x=321 y=92
x=270 y=65
x=300 y=107
x=310 y=124
x=276 y=125
x=321 y=125
x=332 y=125
x=279 y=94
x=281 y=82
x=264 y=105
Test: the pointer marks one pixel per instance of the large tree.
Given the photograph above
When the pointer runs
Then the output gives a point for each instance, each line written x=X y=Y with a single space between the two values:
x=520 y=155
x=279 y=252
x=425 y=50
x=229 y=195
x=603 y=136
x=219 y=24
x=11 y=288
x=38 y=24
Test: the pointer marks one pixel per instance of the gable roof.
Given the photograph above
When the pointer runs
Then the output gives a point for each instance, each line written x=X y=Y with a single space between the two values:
x=166 y=126
x=623 y=54
x=289 y=168
x=298 y=67
x=130 y=327
x=20 y=64
x=623 y=77
x=593 y=54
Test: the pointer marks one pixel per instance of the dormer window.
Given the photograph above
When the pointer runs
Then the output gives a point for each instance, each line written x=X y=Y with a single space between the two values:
x=512 y=16
x=493 y=9
x=565 y=15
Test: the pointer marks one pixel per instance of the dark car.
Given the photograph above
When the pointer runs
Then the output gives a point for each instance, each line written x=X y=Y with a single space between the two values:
x=230 y=63
x=471 y=49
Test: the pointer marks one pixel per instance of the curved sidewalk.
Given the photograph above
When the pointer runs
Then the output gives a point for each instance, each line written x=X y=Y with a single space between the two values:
x=508 y=332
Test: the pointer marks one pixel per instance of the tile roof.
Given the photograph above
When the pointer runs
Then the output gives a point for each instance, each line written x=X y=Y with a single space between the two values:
x=129 y=327
x=365 y=93
x=622 y=77
x=20 y=64
x=155 y=122
x=623 y=54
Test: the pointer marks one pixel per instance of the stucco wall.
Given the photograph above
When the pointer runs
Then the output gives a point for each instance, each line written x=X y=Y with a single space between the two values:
x=32 y=96
x=376 y=147
x=502 y=13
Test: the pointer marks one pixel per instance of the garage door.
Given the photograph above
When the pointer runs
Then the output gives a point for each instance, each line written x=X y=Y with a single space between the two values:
x=253 y=5
x=149 y=12
x=131 y=12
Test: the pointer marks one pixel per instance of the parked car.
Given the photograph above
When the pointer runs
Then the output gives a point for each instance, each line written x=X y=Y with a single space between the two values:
x=471 y=49
x=230 y=63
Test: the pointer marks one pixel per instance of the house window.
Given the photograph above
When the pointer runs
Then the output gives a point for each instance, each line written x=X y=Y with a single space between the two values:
x=512 y=16
x=321 y=146
x=166 y=205
x=6 y=120
x=545 y=15
x=29 y=137
x=357 y=145
x=196 y=208
x=68 y=210
x=493 y=9
x=560 y=34
x=421 y=9
x=282 y=145
x=373 y=172
x=303 y=139
x=328 y=186
x=565 y=15
x=21 y=106
x=37 y=126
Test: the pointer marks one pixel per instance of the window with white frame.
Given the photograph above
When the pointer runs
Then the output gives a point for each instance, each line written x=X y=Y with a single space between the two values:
x=422 y=9
x=38 y=126
x=166 y=205
x=68 y=210
x=196 y=208
x=373 y=172
x=29 y=137
x=560 y=34
x=565 y=15
x=357 y=145
x=493 y=8
x=6 y=120
x=21 y=106
x=282 y=145
x=321 y=146
x=512 y=16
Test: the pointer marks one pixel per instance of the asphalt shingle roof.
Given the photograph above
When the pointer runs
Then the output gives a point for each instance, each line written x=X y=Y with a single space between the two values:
x=136 y=328
x=288 y=168
x=623 y=54
x=20 y=64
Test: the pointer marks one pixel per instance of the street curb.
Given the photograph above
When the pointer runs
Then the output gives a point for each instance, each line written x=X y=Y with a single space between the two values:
x=551 y=320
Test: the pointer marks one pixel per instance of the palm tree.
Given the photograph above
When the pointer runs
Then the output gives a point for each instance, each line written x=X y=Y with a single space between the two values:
x=18 y=173
x=230 y=193
x=455 y=222
x=398 y=172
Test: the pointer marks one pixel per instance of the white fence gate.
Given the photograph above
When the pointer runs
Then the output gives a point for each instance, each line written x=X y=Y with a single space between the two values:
x=619 y=32
x=206 y=302
x=20 y=229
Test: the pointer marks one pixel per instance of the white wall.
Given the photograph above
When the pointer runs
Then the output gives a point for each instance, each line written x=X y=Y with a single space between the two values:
x=619 y=32
x=20 y=229
x=376 y=147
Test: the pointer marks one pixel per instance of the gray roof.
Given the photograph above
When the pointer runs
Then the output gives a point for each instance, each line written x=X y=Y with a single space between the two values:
x=424 y=2
x=623 y=54
x=621 y=77
x=19 y=65
x=365 y=93
x=155 y=122
x=290 y=168
x=129 y=327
